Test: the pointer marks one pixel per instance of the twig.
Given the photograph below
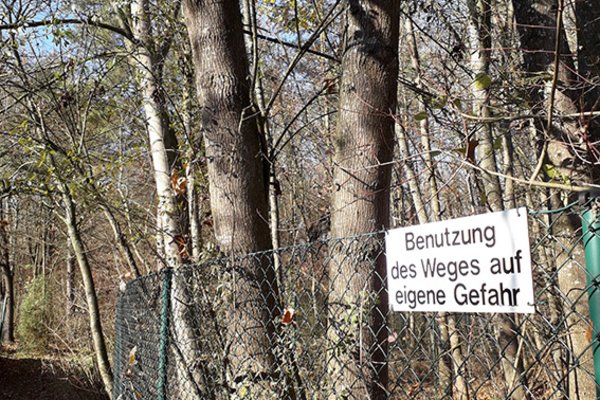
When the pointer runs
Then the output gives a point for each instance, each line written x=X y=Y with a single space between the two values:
x=548 y=132
x=293 y=46
x=69 y=21
x=508 y=118
x=329 y=18
x=551 y=185
x=540 y=163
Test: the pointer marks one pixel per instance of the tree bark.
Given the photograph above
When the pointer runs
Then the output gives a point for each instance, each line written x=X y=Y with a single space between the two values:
x=587 y=14
x=588 y=52
x=9 y=294
x=8 y=331
x=239 y=203
x=170 y=235
x=238 y=187
x=364 y=145
x=191 y=168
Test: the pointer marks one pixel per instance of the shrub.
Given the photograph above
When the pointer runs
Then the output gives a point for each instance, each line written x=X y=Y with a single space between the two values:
x=34 y=316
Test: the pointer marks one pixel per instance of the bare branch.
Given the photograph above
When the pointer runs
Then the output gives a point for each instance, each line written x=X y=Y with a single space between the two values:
x=70 y=21
x=293 y=46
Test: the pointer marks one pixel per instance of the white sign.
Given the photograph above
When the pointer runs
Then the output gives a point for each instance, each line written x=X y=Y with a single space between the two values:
x=480 y=263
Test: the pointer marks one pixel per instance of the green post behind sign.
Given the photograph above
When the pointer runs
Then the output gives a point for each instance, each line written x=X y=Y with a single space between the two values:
x=591 y=242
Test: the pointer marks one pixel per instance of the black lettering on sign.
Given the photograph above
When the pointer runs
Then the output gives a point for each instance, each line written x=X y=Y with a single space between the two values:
x=414 y=298
x=403 y=271
x=451 y=269
x=495 y=296
x=448 y=238
x=502 y=266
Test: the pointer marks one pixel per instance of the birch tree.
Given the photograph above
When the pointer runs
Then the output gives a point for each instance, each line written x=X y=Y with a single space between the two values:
x=8 y=273
x=506 y=328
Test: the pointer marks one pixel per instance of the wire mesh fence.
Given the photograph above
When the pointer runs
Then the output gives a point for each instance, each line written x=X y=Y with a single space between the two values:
x=312 y=322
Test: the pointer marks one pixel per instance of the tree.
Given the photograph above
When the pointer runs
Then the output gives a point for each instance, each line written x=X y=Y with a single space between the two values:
x=564 y=148
x=237 y=183
x=148 y=58
x=451 y=364
x=364 y=144
x=506 y=328
x=8 y=271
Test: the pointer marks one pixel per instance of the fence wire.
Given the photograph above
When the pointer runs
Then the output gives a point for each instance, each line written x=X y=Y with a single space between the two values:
x=311 y=322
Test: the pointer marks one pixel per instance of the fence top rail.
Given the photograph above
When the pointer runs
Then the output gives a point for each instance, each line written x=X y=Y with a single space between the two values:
x=578 y=205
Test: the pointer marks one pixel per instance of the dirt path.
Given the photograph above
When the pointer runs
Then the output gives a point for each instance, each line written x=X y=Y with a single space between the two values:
x=34 y=379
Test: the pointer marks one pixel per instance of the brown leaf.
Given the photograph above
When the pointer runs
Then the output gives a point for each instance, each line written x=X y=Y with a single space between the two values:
x=179 y=184
x=288 y=317
x=181 y=246
x=470 y=153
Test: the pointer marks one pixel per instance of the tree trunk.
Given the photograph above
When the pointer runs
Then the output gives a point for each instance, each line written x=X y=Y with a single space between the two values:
x=193 y=210
x=238 y=187
x=121 y=240
x=505 y=327
x=90 y=290
x=564 y=156
x=70 y=284
x=170 y=238
x=162 y=149
x=7 y=277
x=451 y=362
x=249 y=19
x=364 y=144
x=191 y=168
x=588 y=52
x=8 y=331
x=588 y=63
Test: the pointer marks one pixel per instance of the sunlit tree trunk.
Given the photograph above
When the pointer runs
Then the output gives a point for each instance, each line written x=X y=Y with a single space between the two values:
x=159 y=137
x=505 y=327
x=238 y=187
x=170 y=236
x=70 y=279
x=8 y=272
x=364 y=143
x=451 y=361
x=91 y=297
x=192 y=169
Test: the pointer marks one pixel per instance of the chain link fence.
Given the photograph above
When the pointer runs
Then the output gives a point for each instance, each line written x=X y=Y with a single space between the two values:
x=305 y=322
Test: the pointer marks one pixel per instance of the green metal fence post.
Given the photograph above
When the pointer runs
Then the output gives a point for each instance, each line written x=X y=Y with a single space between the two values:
x=591 y=243
x=164 y=334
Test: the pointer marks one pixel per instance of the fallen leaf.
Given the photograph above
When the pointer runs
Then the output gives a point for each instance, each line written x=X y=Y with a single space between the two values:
x=288 y=316
x=132 y=356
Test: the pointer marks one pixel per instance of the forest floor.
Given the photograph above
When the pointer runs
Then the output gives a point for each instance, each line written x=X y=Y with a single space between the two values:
x=27 y=377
